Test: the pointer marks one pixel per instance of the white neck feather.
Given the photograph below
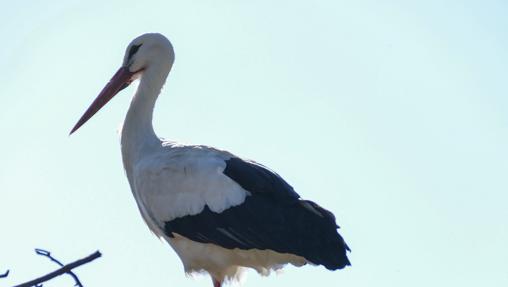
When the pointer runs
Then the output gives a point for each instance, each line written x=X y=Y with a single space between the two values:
x=138 y=136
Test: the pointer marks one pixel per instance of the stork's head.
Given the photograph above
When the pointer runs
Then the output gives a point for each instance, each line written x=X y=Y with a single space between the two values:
x=148 y=52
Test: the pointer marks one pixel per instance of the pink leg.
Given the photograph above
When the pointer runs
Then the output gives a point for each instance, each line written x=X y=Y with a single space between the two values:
x=216 y=283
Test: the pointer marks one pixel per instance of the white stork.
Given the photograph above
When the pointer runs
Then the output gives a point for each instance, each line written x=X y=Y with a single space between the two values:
x=219 y=212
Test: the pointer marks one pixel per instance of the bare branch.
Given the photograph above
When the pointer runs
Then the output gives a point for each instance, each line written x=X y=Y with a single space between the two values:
x=65 y=269
x=5 y=274
x=48 y=254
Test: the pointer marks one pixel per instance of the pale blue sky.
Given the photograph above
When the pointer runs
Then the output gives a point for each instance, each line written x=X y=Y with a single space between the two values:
x=392 y=115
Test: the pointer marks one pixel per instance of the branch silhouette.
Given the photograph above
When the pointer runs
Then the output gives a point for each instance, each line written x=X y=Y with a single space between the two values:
x=48 y=254
x=65 y=269
x=5 y=274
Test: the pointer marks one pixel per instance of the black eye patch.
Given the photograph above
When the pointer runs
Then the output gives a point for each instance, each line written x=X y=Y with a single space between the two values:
x=133 y=51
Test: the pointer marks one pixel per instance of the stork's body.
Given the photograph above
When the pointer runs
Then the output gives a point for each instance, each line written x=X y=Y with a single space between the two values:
x=219 y=212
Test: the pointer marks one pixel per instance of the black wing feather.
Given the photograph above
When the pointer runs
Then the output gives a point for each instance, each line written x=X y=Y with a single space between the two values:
x=257 y=178
x=272 y=217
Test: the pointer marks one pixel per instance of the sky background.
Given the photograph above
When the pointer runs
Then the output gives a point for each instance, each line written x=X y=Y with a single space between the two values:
x=391 y=114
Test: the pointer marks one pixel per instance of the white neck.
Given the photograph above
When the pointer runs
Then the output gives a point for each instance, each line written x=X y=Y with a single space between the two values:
x=137 y=134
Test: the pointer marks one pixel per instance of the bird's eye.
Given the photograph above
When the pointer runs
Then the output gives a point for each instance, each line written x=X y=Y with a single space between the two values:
x=133 y=51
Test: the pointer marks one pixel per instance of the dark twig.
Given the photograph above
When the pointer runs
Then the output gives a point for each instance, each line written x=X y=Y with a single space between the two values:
x=65 y=269
x=5 y=274
x=48 y=254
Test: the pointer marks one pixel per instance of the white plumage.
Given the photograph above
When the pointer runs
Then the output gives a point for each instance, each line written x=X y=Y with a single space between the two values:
x=220 y=213
x=180 y=180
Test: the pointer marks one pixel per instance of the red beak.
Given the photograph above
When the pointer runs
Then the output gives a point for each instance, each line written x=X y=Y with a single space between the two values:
x=121 y=79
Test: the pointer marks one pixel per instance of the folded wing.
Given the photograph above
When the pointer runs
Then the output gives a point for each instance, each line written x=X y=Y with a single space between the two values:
x=272 y=216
